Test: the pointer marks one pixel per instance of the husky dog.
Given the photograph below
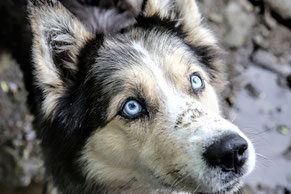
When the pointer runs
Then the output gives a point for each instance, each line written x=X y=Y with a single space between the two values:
x=136 y=110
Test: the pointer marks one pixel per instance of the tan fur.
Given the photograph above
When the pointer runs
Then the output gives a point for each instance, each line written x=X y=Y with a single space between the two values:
x=141 y=81
x=197 y=34
x=157 y=7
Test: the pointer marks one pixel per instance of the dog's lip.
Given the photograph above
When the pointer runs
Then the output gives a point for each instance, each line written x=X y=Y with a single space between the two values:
x=229 y=186
x=227 y=189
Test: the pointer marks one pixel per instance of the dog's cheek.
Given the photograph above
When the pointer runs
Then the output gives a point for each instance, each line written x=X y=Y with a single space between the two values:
x=110 y=155
x=162 y=149
x=113 y=145
x=210 y=99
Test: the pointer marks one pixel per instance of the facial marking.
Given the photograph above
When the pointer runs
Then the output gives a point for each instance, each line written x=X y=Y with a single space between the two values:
x=169 y=144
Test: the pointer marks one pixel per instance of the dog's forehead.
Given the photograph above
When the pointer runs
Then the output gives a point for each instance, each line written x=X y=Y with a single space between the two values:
x=156 y=67
x=149 y=57
x=151 y=50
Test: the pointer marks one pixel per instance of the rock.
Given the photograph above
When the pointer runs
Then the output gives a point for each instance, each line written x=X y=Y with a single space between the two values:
x=264 y=31
x=252 y=91
x=282 y=129
x=20 y=156
x=287 y=155
x=240 y=24
x=247 y=190
x=216 y=18
x=270 y=21
x=246 y=5
x=16 y=171
x=280 y=7
x=265 y=59
x=260 y=41
x=230 y=100
x=270 y=62
x=260 y=116
x=4 y=86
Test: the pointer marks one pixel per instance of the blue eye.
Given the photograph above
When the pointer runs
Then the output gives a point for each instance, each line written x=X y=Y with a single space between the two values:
x=132 y=108
x=196 y=82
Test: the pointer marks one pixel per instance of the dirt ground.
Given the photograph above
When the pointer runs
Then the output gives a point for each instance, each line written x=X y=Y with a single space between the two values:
x=256 y=36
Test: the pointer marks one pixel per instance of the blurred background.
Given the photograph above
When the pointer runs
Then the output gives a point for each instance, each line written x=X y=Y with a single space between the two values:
x=256 y=37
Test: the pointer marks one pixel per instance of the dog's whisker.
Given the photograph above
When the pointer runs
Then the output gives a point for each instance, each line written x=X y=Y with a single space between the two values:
x=197 y=188
x=177 y=182
x=261 y=155
x=184 y=178
x=253 y=131
x=234 y=118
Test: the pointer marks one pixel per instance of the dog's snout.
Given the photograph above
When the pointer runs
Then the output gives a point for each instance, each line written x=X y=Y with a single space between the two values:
x=228 y=153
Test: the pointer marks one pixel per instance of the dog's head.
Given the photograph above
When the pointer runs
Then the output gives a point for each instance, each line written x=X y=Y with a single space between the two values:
x=137 y=109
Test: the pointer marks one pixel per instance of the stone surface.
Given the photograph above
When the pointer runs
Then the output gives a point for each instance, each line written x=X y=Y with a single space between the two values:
x=20 y=158
x=268 y=61
x=260 y=118
x=281 y=7
x=240 y=24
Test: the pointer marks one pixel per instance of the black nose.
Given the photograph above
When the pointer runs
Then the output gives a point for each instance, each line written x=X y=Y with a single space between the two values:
x=228 y=153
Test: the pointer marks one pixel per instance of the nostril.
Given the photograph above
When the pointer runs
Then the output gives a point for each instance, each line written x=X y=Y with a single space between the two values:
x=227 y=162
x=242 y=150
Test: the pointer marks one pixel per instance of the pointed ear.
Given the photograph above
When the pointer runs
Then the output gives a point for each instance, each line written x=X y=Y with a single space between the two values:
x=57 y=40
x=184 y=18
x=185 y=13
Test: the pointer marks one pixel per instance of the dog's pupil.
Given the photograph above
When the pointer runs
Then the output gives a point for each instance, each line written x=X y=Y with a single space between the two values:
x=196 y=80
x=132 y=106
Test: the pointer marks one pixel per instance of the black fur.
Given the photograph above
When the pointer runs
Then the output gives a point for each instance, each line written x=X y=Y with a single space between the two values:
x=143 y=7
x=42 y=2
x=81 y=110
x=162 y=24
x=206 y=54
x=73 y=121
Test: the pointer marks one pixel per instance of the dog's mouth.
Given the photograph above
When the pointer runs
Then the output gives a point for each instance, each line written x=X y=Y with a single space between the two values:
x=227 y=188
x=188 y=184
x=231 y=187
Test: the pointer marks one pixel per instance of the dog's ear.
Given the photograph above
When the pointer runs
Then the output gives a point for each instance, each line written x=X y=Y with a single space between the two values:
x=185 y=13
x=58 y=38
x=184 y=18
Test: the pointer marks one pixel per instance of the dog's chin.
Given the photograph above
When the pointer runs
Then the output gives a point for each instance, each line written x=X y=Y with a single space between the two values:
x=228 y=186
x=231 y=187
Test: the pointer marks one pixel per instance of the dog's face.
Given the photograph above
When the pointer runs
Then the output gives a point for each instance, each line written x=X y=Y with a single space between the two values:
x=145 y=100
